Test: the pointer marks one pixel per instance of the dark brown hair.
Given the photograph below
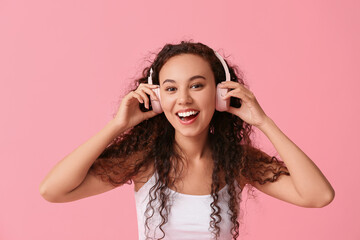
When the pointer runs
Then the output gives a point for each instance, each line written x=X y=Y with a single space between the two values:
x=151 y=143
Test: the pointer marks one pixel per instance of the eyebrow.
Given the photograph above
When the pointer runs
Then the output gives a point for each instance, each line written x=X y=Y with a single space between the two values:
x=190 y=79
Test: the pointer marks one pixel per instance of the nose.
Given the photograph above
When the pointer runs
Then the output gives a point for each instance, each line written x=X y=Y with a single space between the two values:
x=184 y=97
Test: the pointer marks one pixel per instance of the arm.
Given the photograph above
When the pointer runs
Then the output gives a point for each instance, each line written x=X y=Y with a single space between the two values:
x=306 y=186
x=69 y=179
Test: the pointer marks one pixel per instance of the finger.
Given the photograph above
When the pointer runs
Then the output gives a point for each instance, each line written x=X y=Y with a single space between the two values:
x=233 y=110
x=144 y=97
x=151 y=93
x=137 y=96
x=238 y=94
x=148 y=85
x=233 y=85
x=229 y=84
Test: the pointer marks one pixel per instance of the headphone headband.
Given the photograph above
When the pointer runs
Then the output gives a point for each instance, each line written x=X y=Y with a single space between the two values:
x=150 y=77
x=227 y=73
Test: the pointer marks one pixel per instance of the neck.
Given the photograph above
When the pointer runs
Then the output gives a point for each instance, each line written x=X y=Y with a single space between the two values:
x=195 y=148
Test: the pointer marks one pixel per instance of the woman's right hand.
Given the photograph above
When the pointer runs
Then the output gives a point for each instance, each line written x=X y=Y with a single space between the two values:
x=129 y=113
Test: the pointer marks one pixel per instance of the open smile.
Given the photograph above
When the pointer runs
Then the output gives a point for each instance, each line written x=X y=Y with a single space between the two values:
x=187 y=116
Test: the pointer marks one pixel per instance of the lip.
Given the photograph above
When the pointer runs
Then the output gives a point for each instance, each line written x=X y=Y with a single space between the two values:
x=188 y=122
x=187 y=110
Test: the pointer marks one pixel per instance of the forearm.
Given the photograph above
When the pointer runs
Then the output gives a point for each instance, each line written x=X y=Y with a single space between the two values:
x=67 y=174
x=307 y=178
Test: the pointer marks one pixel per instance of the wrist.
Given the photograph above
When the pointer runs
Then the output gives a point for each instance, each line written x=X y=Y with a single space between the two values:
x=266 y=124
x=117 y=127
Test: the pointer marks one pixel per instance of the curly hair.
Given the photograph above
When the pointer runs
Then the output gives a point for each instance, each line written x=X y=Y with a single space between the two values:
x=152 y=143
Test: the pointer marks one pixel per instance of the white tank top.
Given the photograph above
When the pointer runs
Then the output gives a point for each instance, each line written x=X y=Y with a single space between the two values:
x=189 y=216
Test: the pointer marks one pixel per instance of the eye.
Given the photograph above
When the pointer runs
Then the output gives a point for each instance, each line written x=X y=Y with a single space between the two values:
x=170 y=89
x=197 y=85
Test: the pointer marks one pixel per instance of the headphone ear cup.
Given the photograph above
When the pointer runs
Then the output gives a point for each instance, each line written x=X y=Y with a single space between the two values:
x=155 y=104
x=221 y=104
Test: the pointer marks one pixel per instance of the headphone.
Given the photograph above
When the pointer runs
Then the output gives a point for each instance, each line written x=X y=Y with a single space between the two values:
x=221 y=104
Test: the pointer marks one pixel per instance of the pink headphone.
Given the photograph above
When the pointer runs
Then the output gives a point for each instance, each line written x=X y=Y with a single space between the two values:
x=221 y=104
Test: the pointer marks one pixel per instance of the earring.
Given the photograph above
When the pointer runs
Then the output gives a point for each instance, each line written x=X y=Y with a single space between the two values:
x=212 y=129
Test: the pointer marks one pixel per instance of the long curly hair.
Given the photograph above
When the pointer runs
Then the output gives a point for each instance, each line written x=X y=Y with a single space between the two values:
x=152 y=144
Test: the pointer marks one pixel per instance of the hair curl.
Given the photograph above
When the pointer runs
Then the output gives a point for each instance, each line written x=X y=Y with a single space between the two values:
x=152 y=143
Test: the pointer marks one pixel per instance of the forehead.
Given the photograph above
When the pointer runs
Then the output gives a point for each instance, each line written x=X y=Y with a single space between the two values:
x=184 y=66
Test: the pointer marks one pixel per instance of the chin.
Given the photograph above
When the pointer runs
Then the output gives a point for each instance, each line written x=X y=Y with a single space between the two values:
x=191 y=132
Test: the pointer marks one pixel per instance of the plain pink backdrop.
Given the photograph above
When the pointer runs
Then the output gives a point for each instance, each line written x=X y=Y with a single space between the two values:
x=64 y=65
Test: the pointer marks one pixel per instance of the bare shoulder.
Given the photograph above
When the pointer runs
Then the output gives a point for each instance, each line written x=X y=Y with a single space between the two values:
x=143 y=176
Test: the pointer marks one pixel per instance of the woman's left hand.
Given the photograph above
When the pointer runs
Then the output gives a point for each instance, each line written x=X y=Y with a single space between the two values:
x=250 y=110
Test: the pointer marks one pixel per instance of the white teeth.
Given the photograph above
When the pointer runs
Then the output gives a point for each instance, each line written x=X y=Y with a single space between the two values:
x=186 y=114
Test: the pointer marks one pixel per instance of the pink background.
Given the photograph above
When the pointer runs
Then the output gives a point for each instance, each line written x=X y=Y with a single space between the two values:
x=64 y=65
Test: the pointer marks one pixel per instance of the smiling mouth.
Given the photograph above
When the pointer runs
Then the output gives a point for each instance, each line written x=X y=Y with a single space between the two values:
x=187 y=116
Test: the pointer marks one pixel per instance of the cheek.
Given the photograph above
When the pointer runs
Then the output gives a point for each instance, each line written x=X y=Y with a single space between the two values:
x=167 y=104
x=208 y=99
x=167 y=107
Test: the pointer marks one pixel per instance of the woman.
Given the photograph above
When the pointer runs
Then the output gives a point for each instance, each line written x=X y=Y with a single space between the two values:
x=190 y=163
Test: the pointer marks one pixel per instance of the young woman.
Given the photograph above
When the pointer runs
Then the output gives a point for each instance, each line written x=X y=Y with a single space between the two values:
x=190 y=162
